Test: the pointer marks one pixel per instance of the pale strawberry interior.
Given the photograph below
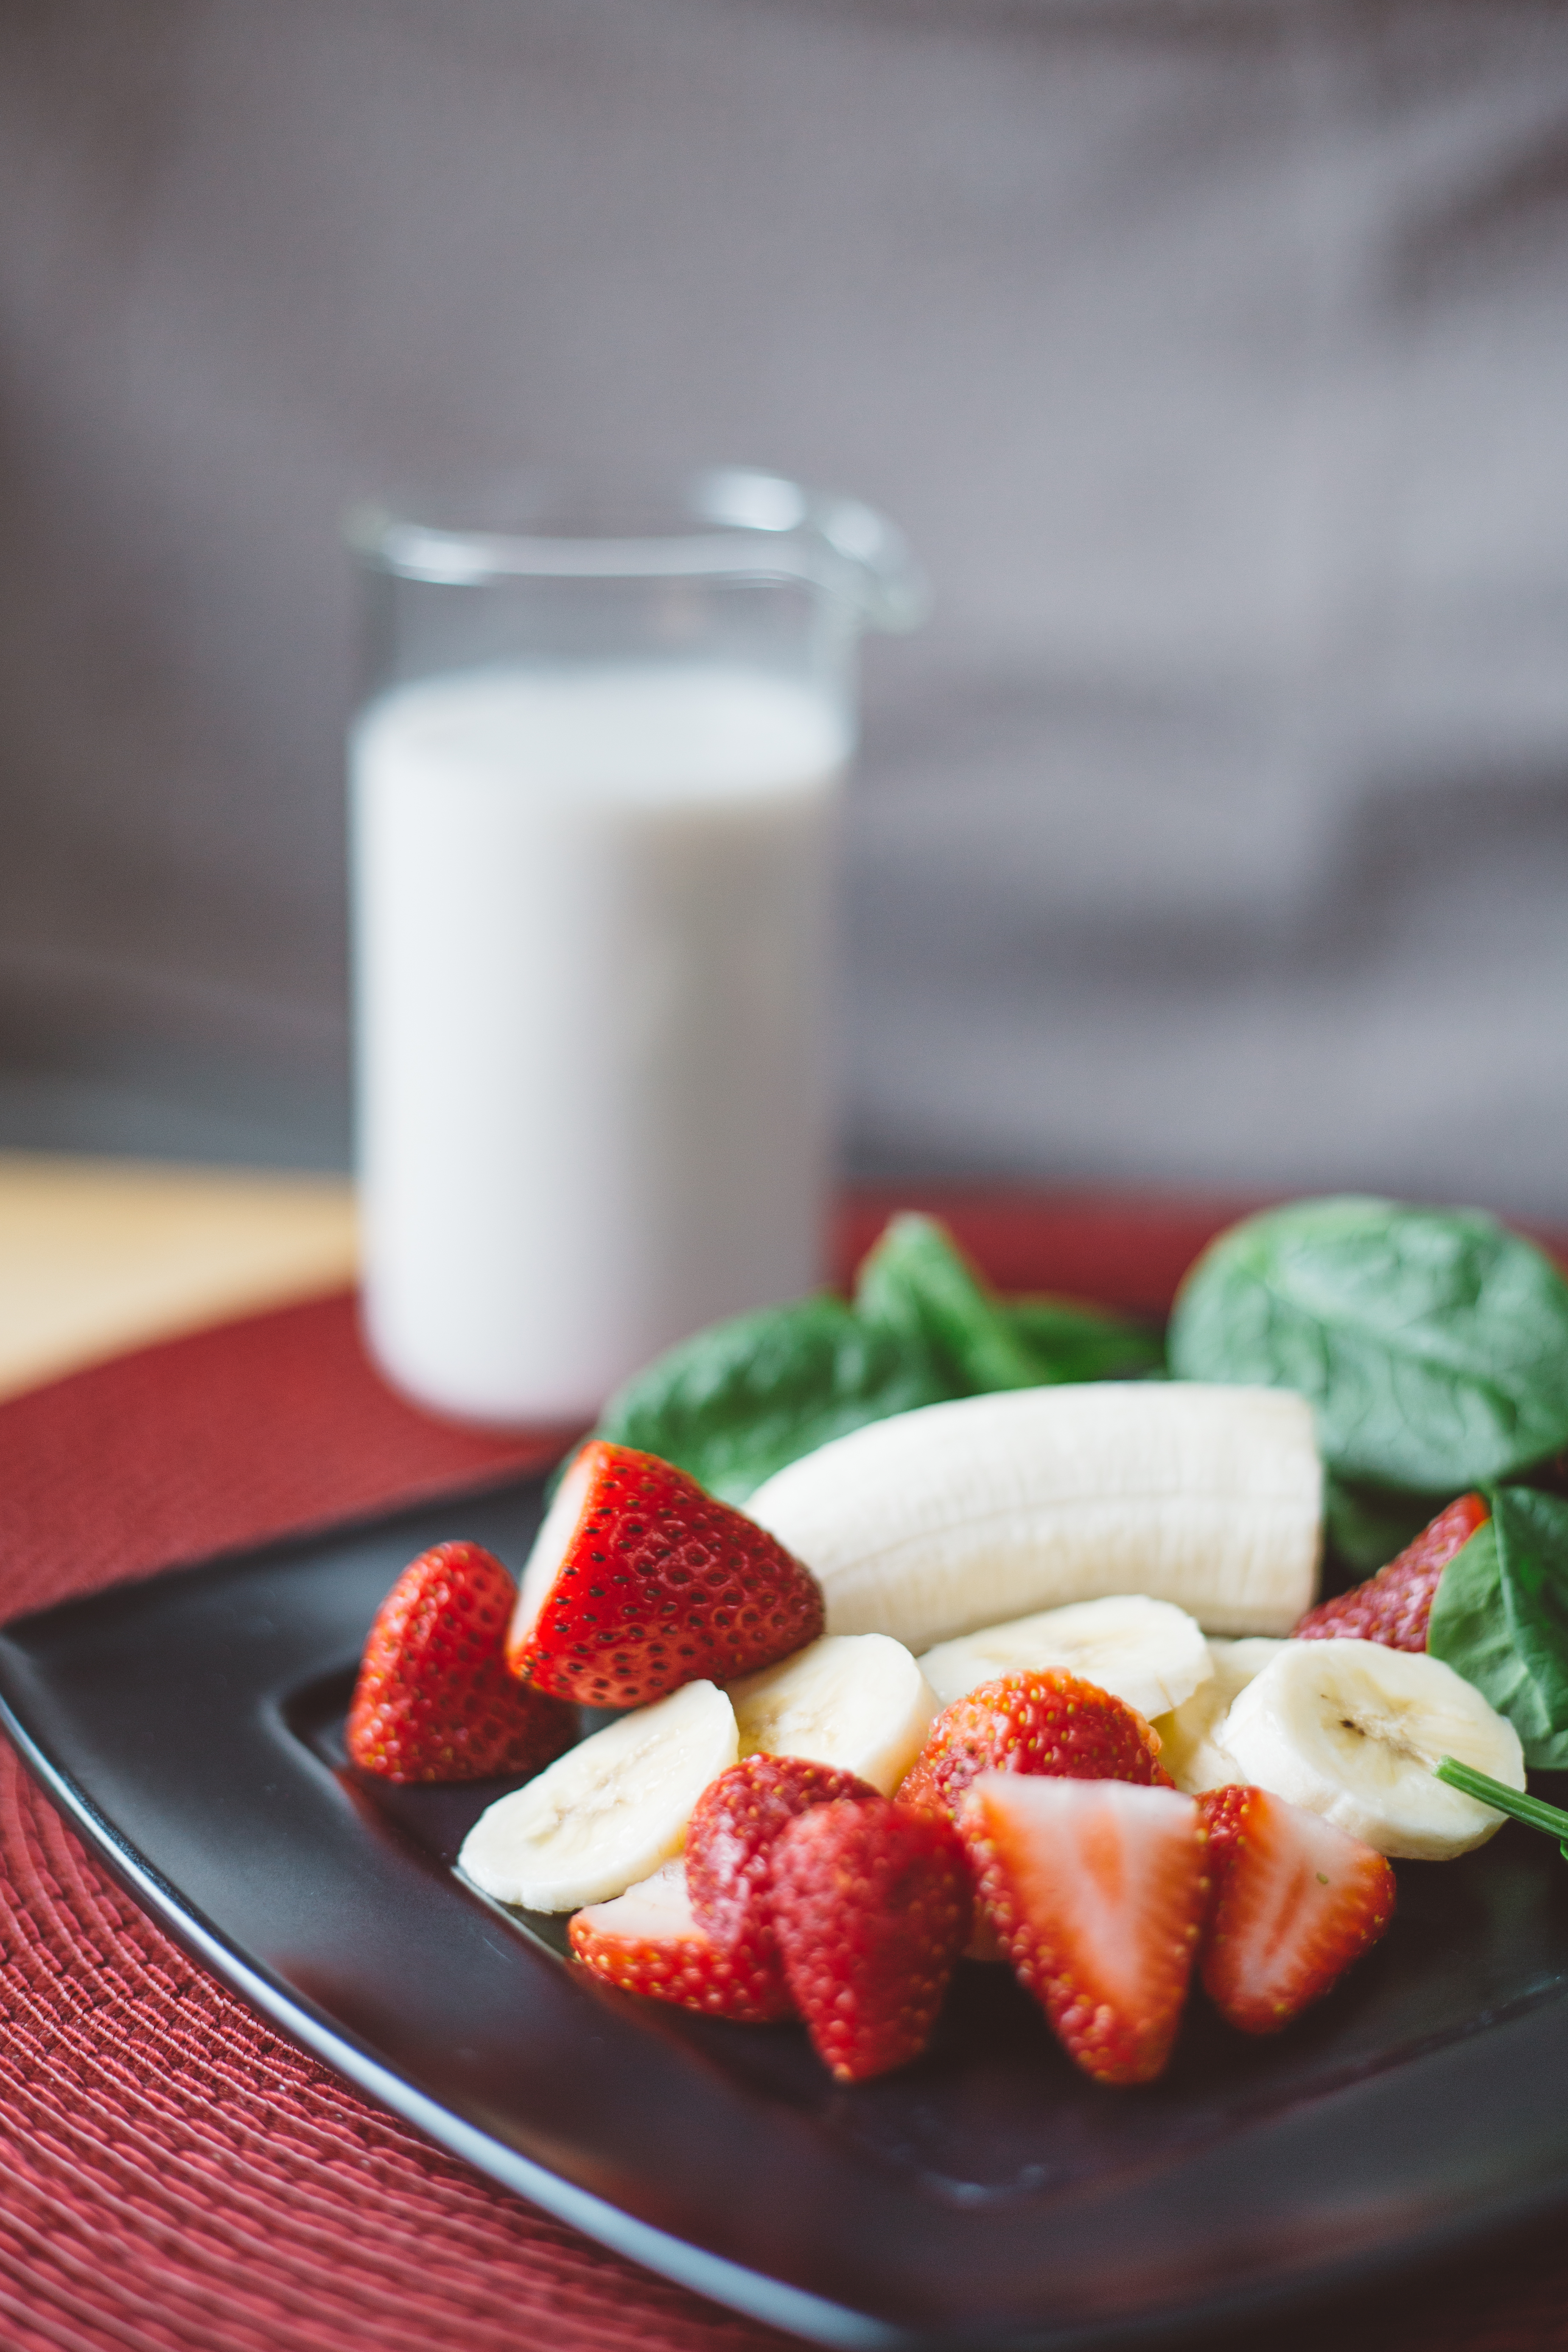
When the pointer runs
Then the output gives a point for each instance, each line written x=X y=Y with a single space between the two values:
x=550 y=1547
x=656 y=1910
x=1302 y=1871
x=1103 y=1870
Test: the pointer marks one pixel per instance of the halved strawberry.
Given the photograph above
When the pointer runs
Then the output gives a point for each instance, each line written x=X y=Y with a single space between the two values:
x=1393 y=1606
x=871 y=1907
x=1050 y=1723
x=639 y=1582
x=729 y=1842
x=1096 y=1889
x=1294 y=1902
x=646 y=1941
x=434 y=1700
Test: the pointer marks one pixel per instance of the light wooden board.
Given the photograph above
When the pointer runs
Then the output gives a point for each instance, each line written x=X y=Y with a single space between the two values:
x=98 y=1256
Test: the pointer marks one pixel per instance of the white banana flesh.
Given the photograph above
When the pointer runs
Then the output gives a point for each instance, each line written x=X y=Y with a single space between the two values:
x=937 y=1522
x=610 y=1810
x=1148 y=1653
x=1189 y=1750
x=1352 y=1730
x=857 y=1701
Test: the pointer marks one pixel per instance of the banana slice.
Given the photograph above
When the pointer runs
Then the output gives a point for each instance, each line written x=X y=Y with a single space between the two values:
x=1149 y=1652
x=1188 y=1748
x=655 y=1910
x=1352 y=1730
x=609 y=1811
x=940 y=1521
x=856 y=1700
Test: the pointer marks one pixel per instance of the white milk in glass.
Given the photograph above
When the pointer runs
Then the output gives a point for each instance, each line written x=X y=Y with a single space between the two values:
x=592 y=940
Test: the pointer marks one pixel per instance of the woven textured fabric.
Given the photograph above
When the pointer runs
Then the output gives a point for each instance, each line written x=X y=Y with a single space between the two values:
x=267 y=1426
x=172 y=2174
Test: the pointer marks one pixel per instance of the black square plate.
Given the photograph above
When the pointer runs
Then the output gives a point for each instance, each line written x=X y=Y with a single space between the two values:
x=987 y=2197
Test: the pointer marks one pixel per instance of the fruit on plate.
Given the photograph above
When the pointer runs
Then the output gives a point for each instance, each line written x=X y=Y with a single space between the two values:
x=1292 y=1901
x=871 y=1907
x=434 y=1700
x=1148 y=1652
x=1394 y=1605
x=646 y=1941
x=1352 y=1730
x=1097 y=1891
x=729 y=1842
x=959 y=1516
x=1189 y=1749
x=639 y=1581
x=609 y=1811
x=1045 y=1724
x=854 y=1700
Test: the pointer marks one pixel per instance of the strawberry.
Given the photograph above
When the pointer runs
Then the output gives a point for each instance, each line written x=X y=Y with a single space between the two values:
x=646 y=1941
x=1051 y=1722
x=728 y=1850
x=639 y=1582
x=1393 y=1606
x=1097 y=1891
x=1294 y=1902
x=434 y=1700
x=871 y=1907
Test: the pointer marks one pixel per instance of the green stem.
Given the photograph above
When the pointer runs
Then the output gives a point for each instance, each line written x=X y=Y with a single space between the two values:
x=1482 y=1786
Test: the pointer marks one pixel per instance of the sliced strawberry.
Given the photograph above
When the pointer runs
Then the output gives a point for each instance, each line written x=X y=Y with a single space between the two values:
x=639 y=1582
x=728 y=1849
x=871 y=1907
x=1096 y=1890
x=1294 y=1901
x=1049 y=1722
x=1393 y=1606
x=434 y=1700
x=1223 y=1813
x=646 y=1941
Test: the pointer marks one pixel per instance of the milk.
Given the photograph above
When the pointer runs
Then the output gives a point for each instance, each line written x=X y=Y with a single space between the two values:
x=592 y=951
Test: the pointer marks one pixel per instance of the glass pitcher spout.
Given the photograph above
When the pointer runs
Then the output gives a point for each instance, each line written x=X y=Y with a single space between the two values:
x=843 y=543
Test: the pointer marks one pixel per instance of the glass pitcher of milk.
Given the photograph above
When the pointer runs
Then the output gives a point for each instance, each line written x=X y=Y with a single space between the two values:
x=593 y=798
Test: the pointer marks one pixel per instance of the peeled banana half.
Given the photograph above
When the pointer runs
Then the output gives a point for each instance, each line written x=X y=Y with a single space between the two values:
x=955 y=1516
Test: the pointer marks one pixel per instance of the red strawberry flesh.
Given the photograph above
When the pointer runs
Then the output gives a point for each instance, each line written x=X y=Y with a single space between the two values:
x=1051 y=1722
x=1394 y=1606
x=1097 y=1891
x=645 y=1941
x=1294 y=1901
x=871 y=1907
x=434 y=1700
x=639 y=1582
x=729 y=1845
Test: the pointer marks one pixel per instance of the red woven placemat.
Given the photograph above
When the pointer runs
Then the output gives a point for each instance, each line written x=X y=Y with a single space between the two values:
x=173 y=2174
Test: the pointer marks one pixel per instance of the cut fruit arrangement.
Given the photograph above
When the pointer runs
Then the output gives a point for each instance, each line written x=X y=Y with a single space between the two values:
x=1022 y=1665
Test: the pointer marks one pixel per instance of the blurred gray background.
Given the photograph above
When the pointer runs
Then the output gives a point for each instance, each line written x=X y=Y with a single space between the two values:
x=1215 y=358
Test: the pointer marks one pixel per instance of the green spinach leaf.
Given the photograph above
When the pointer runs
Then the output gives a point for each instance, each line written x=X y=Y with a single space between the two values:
x=1067 y=1342
x=1432 y=1344
x=739 y=1401
x=916 y=1284
x=736 y=1401
x=1500 y=1619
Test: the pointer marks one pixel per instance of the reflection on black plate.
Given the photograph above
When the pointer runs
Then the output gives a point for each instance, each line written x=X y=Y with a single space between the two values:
x=986 y=2196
